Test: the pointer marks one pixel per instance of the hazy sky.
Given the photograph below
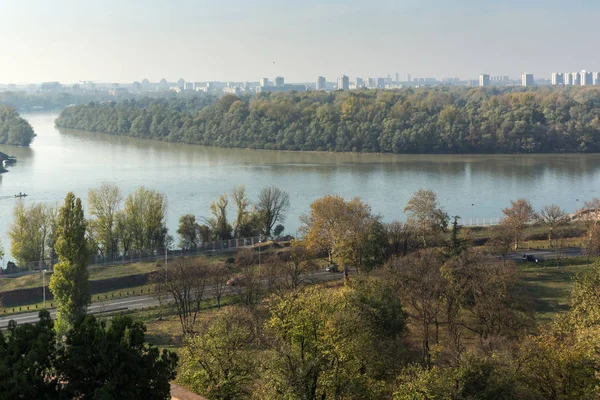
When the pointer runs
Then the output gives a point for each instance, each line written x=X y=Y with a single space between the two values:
x=199 y=40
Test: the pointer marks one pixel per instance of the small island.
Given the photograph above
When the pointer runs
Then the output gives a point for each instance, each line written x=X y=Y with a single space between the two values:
x=14 y=130
x=413 y=120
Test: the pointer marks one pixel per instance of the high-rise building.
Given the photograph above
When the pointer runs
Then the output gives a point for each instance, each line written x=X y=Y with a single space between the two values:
x=279 y=81
x=586 y=78
x=380 y=82
x=596 y=78
x=558 y=78
x=360 y=83
x=576 y=78
x=568 y=78
x=343 y=83
x=527 y=80
x=408 y=78
x=371 y=82
x=484 y=80
x=264 y=82
x=397 y=77
x=321 y=83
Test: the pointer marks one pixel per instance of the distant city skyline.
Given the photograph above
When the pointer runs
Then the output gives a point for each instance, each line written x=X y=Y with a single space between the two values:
x=236 y=40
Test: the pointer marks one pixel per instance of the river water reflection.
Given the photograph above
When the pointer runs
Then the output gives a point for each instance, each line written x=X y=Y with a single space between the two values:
x=59 y=161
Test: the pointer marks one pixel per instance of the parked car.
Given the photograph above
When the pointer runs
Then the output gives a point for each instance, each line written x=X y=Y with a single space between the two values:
x=332 y=268
x=529 y=257
x=236 y=280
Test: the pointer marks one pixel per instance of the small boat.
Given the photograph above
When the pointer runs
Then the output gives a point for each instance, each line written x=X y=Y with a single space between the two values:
x=21 y=195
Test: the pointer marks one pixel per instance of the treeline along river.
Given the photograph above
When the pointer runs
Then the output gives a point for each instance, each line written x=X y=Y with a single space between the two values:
x=472 y=186
x=435 y=120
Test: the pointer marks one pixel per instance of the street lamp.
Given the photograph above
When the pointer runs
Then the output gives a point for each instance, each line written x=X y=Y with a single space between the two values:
x=44 y=286
x=472 y=213
x=259 y=242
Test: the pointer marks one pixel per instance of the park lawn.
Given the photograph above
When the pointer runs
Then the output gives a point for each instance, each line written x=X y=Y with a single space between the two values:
x=549 y=287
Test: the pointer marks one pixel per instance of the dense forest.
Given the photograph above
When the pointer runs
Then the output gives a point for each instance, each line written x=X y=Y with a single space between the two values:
x=14 y=129
x=427 y=120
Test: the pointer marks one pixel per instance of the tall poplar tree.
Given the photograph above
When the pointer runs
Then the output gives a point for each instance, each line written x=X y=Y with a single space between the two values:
x=69 y=283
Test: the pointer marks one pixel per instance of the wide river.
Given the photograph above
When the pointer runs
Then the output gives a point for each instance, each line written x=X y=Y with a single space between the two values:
x=474 y=187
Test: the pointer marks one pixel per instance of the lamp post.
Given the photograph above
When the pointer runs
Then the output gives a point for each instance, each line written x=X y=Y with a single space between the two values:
x=472 y=204
x=44 y=286
x=259 y=242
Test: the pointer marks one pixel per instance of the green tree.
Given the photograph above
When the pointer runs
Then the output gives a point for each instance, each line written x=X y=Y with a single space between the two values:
x=69 y=282
x=273 y=205
x=426 y=214
x=215 y=362
x=552 y=217
x=247 y=220
x=188 y=231
x=27 y=355
x=144 y=219
x=32 y=228
x=517 y=216
x=111 y=362
x=334 y=344
x=218 y=223
x=346 y=230
x=104 y=203
x=14 y=130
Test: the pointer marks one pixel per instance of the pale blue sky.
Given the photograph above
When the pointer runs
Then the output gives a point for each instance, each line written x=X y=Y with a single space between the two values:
x=127 y=40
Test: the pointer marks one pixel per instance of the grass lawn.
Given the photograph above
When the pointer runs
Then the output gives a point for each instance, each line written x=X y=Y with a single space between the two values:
x=549 y=287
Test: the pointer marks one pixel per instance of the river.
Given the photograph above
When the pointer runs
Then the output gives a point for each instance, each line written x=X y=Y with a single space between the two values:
x=473 y=187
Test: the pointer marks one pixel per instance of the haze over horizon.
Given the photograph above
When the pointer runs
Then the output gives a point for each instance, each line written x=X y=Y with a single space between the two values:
x=232 y=40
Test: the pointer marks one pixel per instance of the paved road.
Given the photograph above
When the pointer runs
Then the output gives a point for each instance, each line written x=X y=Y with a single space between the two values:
x=546 y=254
x=138 y=302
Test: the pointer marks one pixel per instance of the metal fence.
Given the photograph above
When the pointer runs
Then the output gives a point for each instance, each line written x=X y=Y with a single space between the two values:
x=152 y=254
x=478 y=221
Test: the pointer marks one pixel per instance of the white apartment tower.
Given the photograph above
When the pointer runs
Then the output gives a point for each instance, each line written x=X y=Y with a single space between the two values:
x=586 y=78
x=568 y=78
x=527 y=80
x=484 y=80
x=321 y=83
x=558 y=78
x=279 y=81
x=343 y=83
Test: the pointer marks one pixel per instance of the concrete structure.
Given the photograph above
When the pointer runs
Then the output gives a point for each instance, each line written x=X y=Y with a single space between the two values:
x=397 y=77
x=264 y=82
x=558 y=78
x=360 y=83
x=586 y=78
x=381 y=83
x=321 y=83
x=484 y=80
x=527 y=80
x=596 y=78
x=279 y=81
x=576 y=78
x=343 y=83
x=371 y=83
